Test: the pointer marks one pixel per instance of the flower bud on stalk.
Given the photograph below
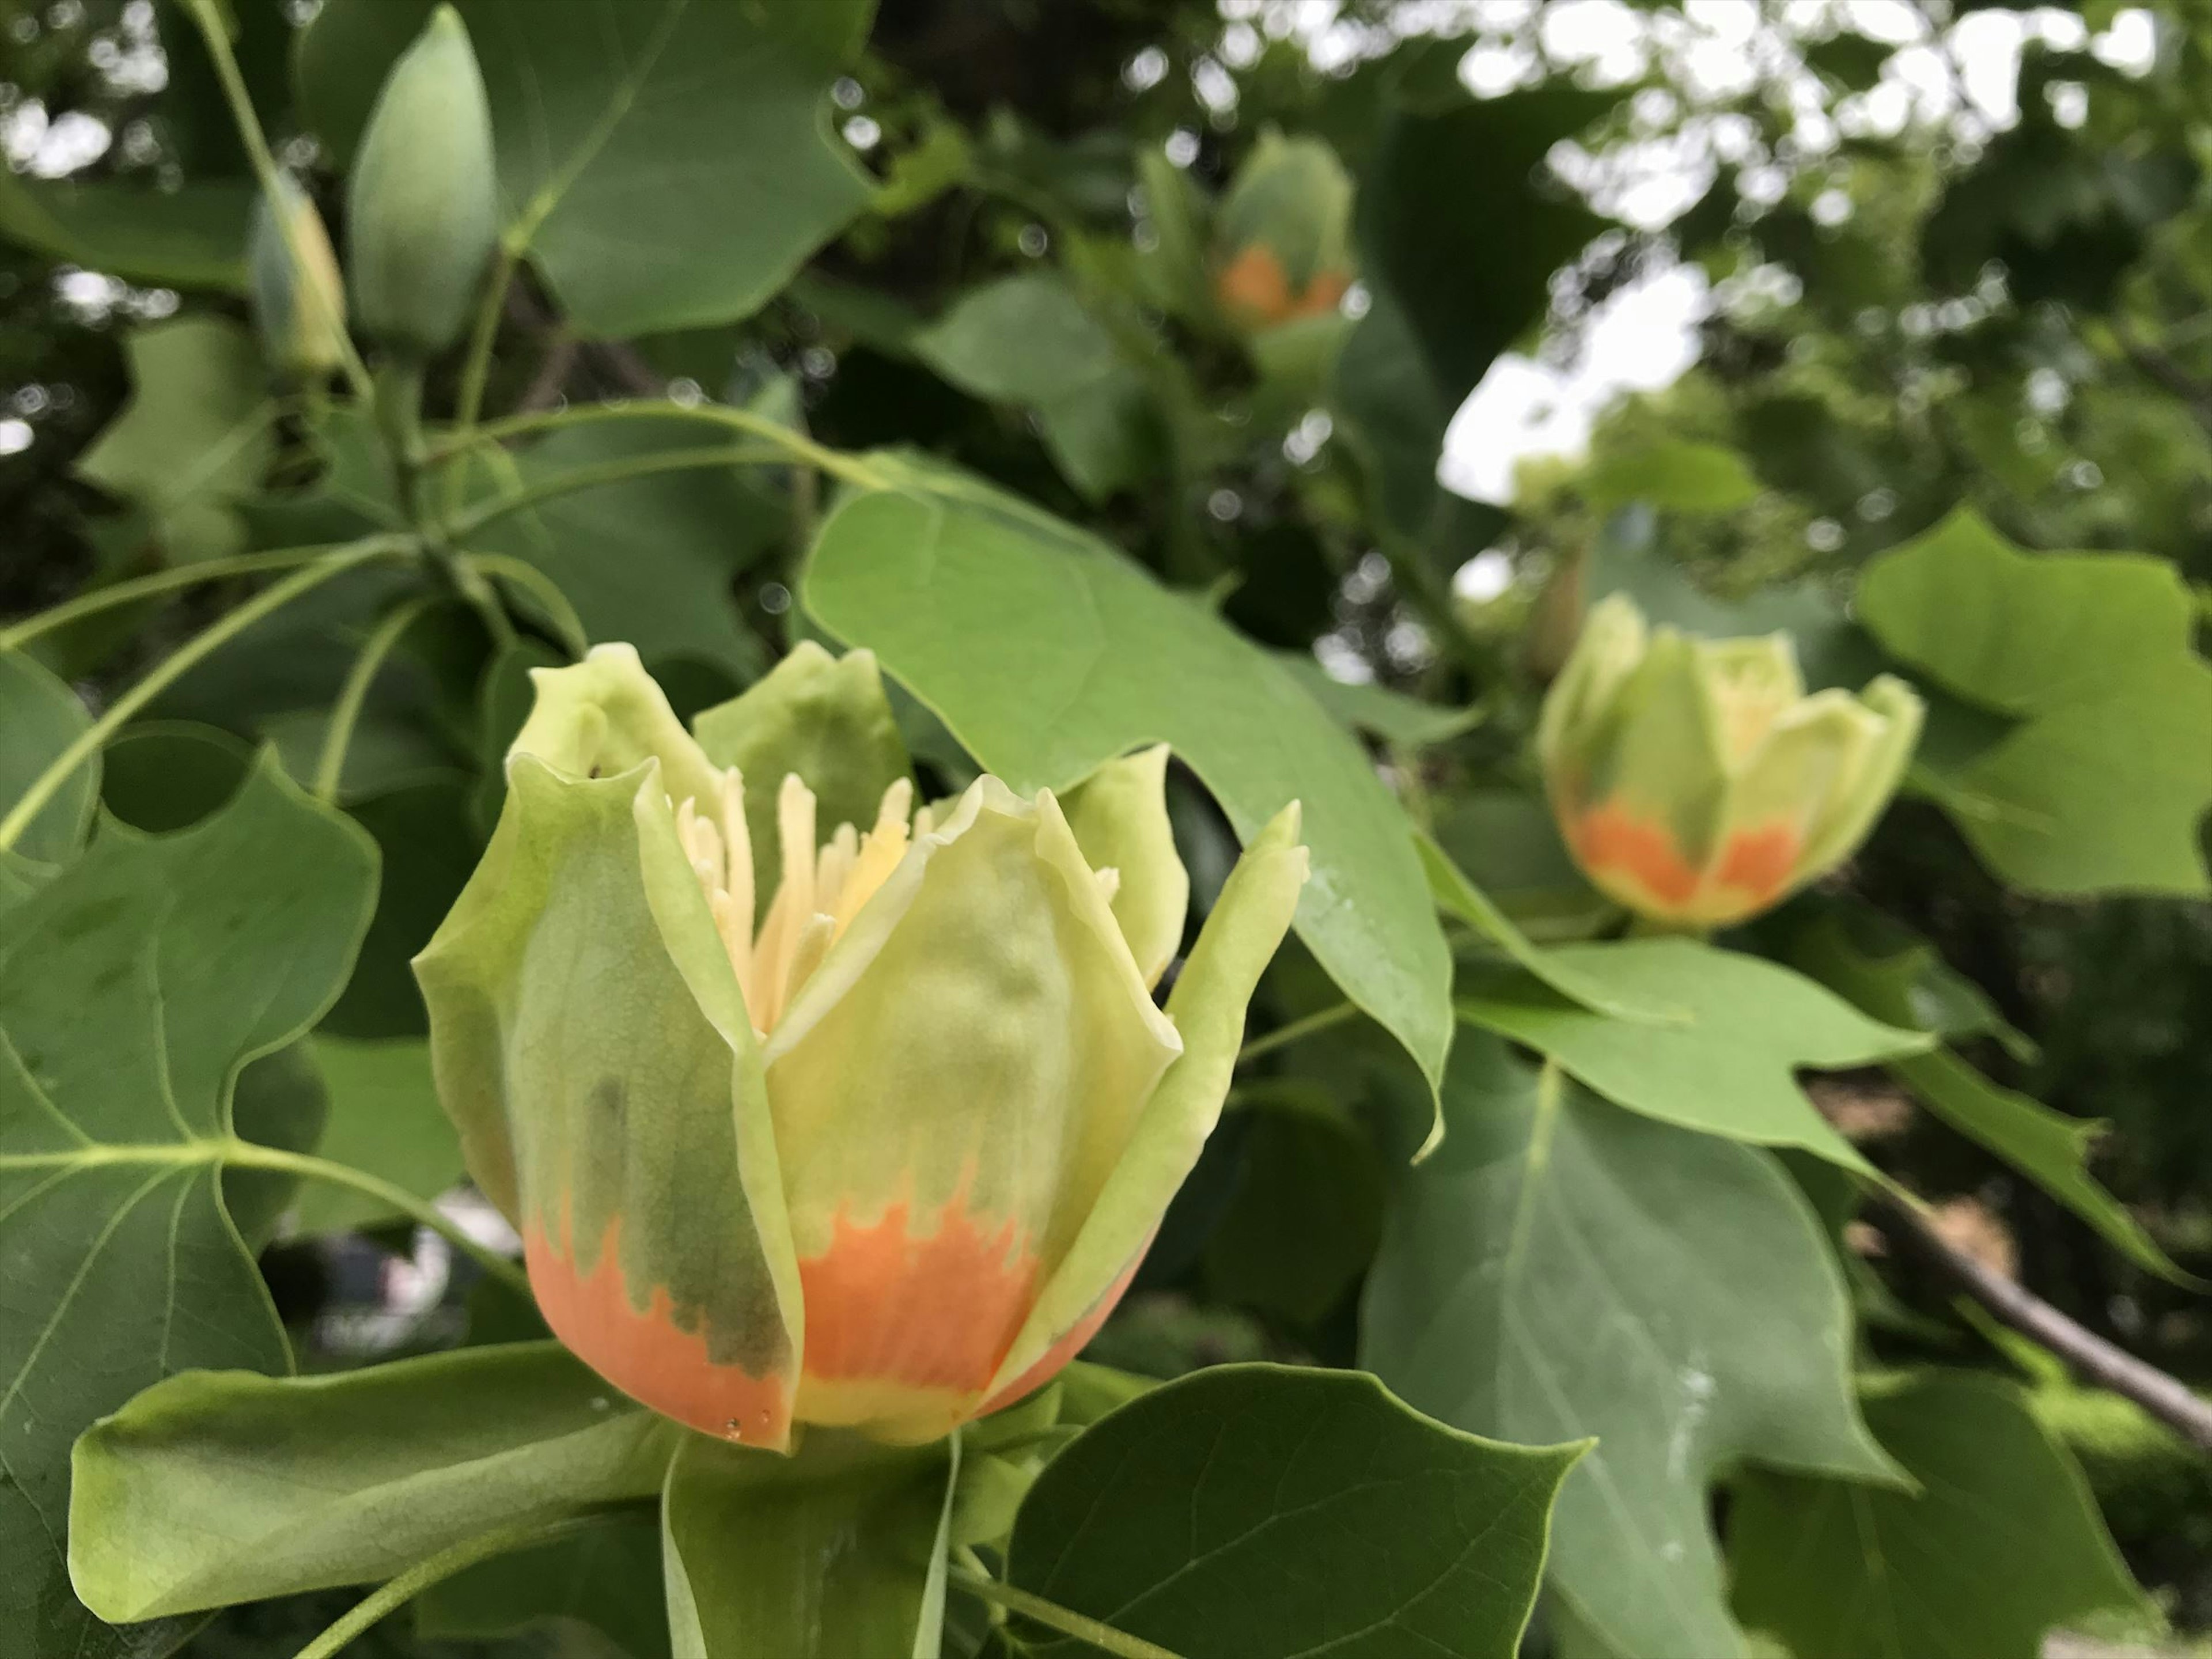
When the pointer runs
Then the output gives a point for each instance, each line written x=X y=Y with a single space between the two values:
x=298 y=304
x=422 y=213
x=869 y=1127
x=1282 y=242
x=1696 y=782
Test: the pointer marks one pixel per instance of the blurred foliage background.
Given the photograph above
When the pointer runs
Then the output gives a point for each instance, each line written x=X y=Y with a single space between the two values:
x=1906 y=274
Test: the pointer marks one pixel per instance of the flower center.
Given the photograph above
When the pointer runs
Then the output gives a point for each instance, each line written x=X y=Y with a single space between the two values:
x=821 y=889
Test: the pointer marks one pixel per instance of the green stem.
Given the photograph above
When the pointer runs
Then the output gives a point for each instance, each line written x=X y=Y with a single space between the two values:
x=476 y=367
x=541 y=587
x=251 y=1155
x=465 y=524
x=169 y=582
x=158 y=679
x=391 y=1597
x=345 y=713
x=1284 y=1036
x=209 y=15
x=1053 y=1616
x=799 y=447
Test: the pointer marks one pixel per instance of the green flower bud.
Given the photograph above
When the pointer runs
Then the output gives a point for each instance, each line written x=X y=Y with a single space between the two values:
x=299 y=305
x=1696 y=782
x=422 y=216
x=876 y=1146
x=1282 y=244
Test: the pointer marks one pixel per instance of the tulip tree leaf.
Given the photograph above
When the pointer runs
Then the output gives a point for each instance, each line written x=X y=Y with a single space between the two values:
x=219 y=1488
x=133 y=988
x=2047 y=1147
x=1047 y=654
x=596 y=113
x=649 y=560
x=39 y=717
x=2001 y=1542
x=1262 y=1512
x=1561 y=1268
x=194 y=439
x=827 y=1552
x=1725 y=1070
x=1459 y=896
x=384 y=1119
x=192 y=237
x=1302 y=1224
x=1390 y=715
x=2102 y=785
x=1027 y=339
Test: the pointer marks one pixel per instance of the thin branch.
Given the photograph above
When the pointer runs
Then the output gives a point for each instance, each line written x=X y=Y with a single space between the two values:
x=353 y=696
x=1053 y=1616
x=1282 y=1035
x=2097 y=1361
x=543 y=391
x=166 y=673
x=252 y=1155
x=466 y=524
x=391 y=1597
x=163 y=582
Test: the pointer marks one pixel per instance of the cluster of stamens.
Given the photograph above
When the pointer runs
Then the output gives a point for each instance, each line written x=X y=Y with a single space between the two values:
x=821 y=891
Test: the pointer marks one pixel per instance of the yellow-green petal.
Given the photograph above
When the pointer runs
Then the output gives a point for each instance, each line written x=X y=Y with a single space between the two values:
x=1119 y=817
x=951 y=1091
x=1208 y=1006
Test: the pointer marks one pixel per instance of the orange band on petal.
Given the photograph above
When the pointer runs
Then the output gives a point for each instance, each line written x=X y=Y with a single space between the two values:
x=938 y=1312
x=646 y=1355
x=1609 y=841
x=1758 y=861
x=1070 y=1345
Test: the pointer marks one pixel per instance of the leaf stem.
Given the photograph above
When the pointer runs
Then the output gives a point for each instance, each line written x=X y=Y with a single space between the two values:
x=1053 y=1616
x=169 y=582
x=540 y=587
x=606 y=472
x=801 y=449
x=159 y=678
x=391 y=1597
x=345 y=713
x=209 y=15
x=1284 y=1036
x=251 y=1155
x=476 y=367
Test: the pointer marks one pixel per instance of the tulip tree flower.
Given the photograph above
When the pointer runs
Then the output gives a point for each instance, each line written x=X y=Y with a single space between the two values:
x=1283 y=237
x=1696 y=782
x=876 y=1145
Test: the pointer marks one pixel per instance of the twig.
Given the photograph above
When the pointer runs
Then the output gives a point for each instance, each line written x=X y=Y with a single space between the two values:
x=2166 y=1398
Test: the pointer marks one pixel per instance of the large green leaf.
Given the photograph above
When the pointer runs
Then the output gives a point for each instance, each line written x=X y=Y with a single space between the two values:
x=2048 y=1147
x=1027 y=339
x=1448 y=293
x=2102 y=785
x=1261 y=1512
x=1048 y=655
x=133 y=988
x=1726 y=1069
x=39 y=717
x=384 y=1119
x=2001 y=1542
x=195 y=437
x=193 y=236
x=1561 y=1268
x=821 y=1555
x=667 y=163
x=217 y=1487
x=649 y=560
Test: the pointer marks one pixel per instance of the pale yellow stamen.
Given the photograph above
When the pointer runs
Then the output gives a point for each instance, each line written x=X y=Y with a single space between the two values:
x=819 y=895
